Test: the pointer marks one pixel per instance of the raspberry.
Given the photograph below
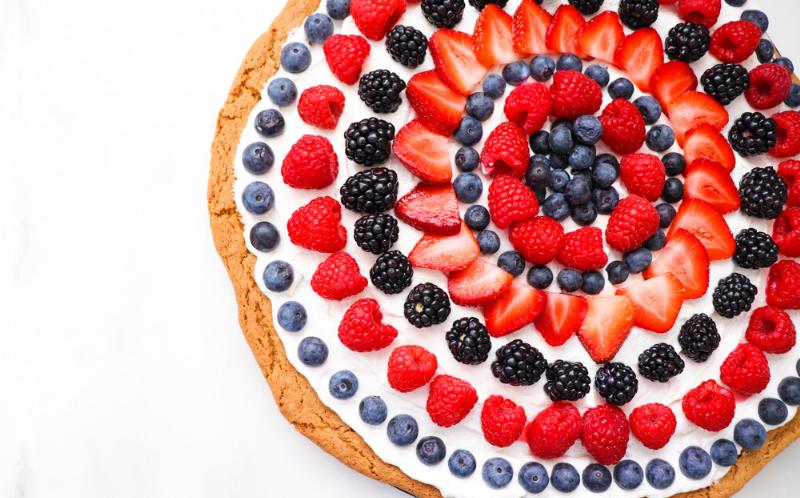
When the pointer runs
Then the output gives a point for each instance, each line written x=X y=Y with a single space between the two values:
x=574 y=94
x=605 y=433
x=771 y=330
x=583 y=250
x=789 y=171
x=528 y=106
x=317 y=226
x=346 y=55
x=538 y=240
x=502 y=421
x=745 y=370
x=782 y=284
x=653 y=425
x=735 y=41
x=623 y=127
x=450 y=400
x=554 y=430
x=705 y=12
x=361 y=329
x=633 y=222
x=338 y=277
x=709 y=406
x=769 y=86
x=505 y=151
x=788 y=134
x=786 y=232
x=511 y=200
x=410 y=367
x=321 y=106
x=311 y=163
x=375 y=18
x=643 y=174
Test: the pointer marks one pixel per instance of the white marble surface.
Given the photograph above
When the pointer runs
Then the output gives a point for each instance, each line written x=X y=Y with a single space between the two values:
x=122 y=369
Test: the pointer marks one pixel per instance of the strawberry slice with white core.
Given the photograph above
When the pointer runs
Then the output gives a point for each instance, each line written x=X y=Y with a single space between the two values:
x=711 y=182
x=519 y=307
x=704 y=222
x=692 y=109
x=657 y=302
x=445 y=253
x=640 y=54
x=705 y=142
x=608 y=322
x=479 y=284
x=455 y=61
x=430 y=208
x=600 y=37
x=671 y=80
x=423 y=152
x=561 y=318
x=529 y=28
x=437 y=106
x=563 y=30
x=684 y=257
x=492 y=39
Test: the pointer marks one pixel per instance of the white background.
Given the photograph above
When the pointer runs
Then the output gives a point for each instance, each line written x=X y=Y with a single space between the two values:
x=123 y=372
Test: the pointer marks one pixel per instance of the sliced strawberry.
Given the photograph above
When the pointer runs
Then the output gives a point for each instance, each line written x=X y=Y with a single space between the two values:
x=640 y=54
x=478 y=284
x=705 y=142
x=609 y=320
x=671 y=80
x=657 y=302
x=600 y=37
x=685 y=257
x=529 y=28
x=455 y=61
x=492 y=39
x=694 y=108
x=445 y=252
x=423 y=152
x=562 y=34
x=437 y=106
x=711 y=182
x=430 y=208
x=561 y=318
x=513 y=311
x=704 y=222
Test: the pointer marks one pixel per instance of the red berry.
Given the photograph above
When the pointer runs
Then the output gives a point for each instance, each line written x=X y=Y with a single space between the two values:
x=643 y=174
x=583 y=249
x=782 y=284
x=311 y=163
x=338 y=277
x=511 y=200
x=505 y=151
x=600 y=37
x=554 y=430
x=606 y=326
x=529 y=28
x=562 y=34
x=450 y=400
x=492 y=39
x=538 y=239
x=632 y=222
x=640 y=55
x=786 y=232
x=574 y=94
x=446 y=253
x=771 y=330
x=502 y=421
x=478 y=284
x=410 y=367
x=321 y=106
x=789 y=171
x=605 y=433
x=455 y=61
x=317 y=226
x=705 y=12
x=745 y=370
x=528 y=106
x=361 y=329
x=346 y=55
x=623 y=127
x=653 y=425
x=709 y=406
x=788 y=144
x=438 y=107
x=735 y=41
x=375 y=18
x=770 y=84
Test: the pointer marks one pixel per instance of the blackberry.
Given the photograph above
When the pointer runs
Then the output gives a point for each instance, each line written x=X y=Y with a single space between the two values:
x=755 y=249
x=699 y=337
x=391 y=272
x=443 y=13
x=725 y=82
x=616 y=382
x=567 y=381
x=753 y=134
x=369 y=141
x=376 y=233
x=426 y=305
x=660 y=363
x=763 y=193
x=687 y=42
x=381 y=90
x=469 y=341
x=586 y=7
x=370 y=191
x=519 y=364
x=637 y=14
x=480 y=4
x=734 y=295
x=407 y=45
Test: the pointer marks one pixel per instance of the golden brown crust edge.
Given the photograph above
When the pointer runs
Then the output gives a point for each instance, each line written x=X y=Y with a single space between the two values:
x=296 y=400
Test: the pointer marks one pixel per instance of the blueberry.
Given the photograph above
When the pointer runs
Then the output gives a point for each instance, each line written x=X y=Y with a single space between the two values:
x=584 y=215
x=516 y=73
x=749 y=434
x=343 y=384
x=557 y=161
x=431 y=450
x=278 y=276
x=540 y=142
x=759 y=18
x=258 y=198
x=621 y=88
x=462 y=463
x=598 y=73
x=564 y=477
x=579 y=191
x=282 y=91
x=593 y=282
x=468 y=187
x=605 y=200
x=264 y=236
x=618 y=272
x=785 y=62
x=789 y=391
x=666 y=213
x=467 y=159
x=538 y=172
x=674 y=163
x=694 y=463
x=659 y=474
x=295 y=57
x=477 y=217
x=480 y=106
x=649 y=107
x=638 y=260
x=270 y=123
x=318 y=28
x=338 y=9
x=469 y=131
x=628 y=474
x=772 y=411
x=765 y=51
x=533 y=477
x=673 y=190
x=540 y=191
x=556 y=206
x=402 y=430
x=488 y=241
x=569 y=280
x=656 y=242
x=596 y=478
x=562 y=122
x=736 y=3
x=494 y=86
x=542 y=68
x=569 y=62
x=292 y=316
x=511 y=262
x=540 y=277
x=561 y=140
x=604 y=175
x=372 y=410
x=724 y=452
x=797 y=367
x=660 y=138
x=587 y=130
x=312 y=351
x=559 y=179
x=607 y=159
x=793 y=100
x=497 y=473
x=582 y=157
x=258 y=158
